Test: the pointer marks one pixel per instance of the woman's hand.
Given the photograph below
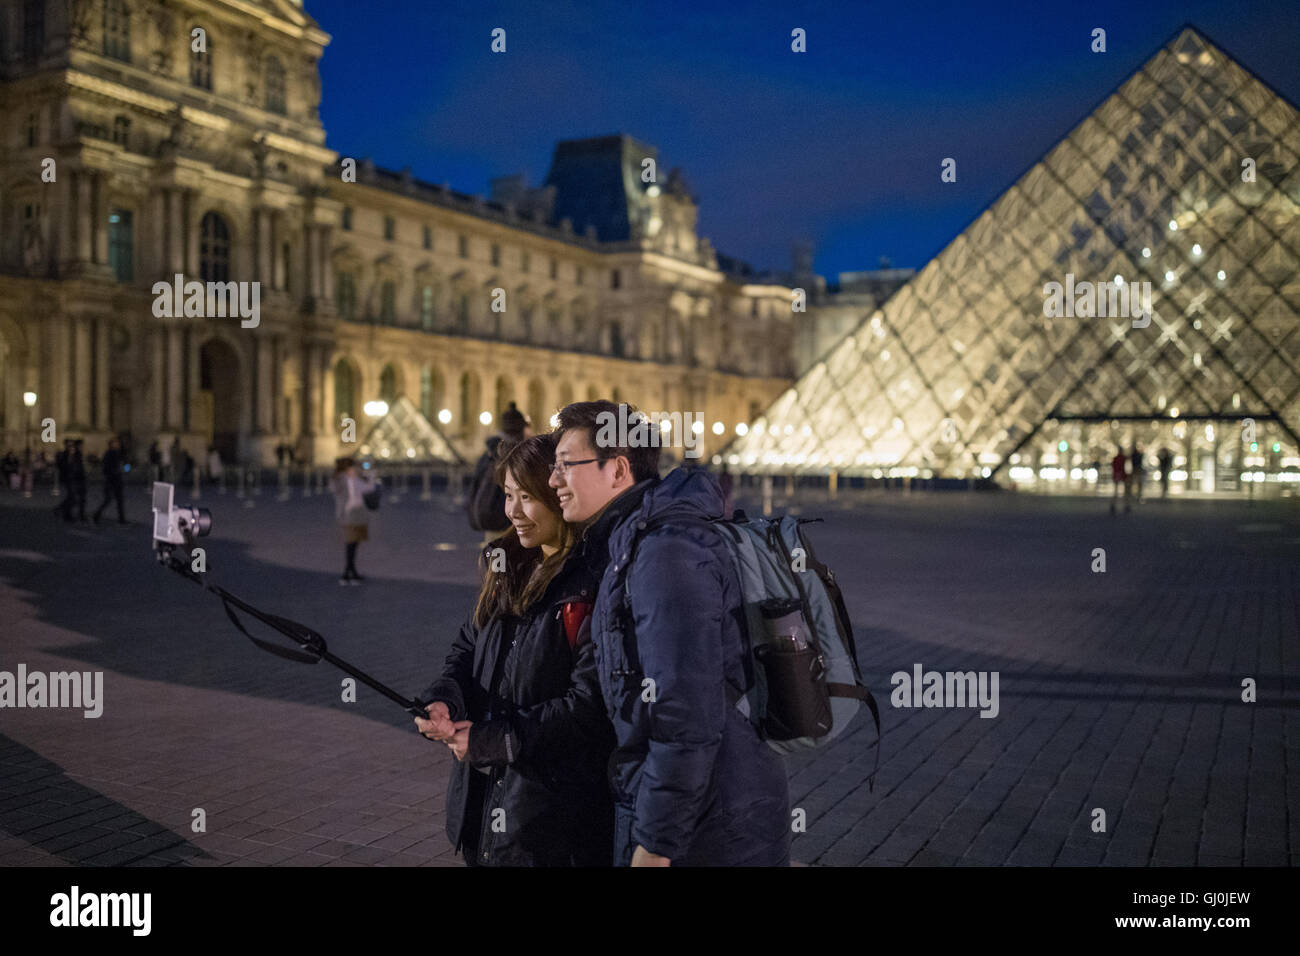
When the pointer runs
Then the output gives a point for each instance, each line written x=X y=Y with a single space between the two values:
x=459 y=743
x=439 y=726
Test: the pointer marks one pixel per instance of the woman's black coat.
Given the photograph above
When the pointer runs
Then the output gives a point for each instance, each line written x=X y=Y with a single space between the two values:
x=540 y=731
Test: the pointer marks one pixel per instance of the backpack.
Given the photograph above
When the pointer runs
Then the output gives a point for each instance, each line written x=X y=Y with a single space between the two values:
x=801 y=698
x=486 y=504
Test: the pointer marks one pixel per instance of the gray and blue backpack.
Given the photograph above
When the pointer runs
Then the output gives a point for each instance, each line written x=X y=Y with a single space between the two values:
x=807 y=684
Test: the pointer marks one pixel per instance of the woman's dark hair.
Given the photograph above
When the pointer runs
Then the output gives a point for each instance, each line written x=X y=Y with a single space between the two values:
x=527 y=571
x=343 y=464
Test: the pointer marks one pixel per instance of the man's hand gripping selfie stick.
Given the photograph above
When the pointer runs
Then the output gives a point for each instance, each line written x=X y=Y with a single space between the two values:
x=312 y=645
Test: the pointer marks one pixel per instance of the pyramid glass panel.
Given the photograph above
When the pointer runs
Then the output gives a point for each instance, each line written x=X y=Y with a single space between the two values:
x=1139 y=286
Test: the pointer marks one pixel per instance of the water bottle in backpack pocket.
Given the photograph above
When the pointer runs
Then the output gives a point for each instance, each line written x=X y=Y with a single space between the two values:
x=798 y=700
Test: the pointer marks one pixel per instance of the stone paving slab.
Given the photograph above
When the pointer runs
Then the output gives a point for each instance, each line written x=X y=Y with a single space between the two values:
x=1118 y=691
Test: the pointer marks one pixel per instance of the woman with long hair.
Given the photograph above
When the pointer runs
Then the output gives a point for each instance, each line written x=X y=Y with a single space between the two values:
x=518 y=702
x=350 y=488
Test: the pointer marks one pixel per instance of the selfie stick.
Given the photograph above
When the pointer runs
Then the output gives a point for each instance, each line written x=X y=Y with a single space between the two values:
x=312 y=645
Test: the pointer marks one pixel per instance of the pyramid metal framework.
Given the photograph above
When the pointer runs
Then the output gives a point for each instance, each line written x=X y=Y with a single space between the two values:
x=405 y=436
x=962 y=371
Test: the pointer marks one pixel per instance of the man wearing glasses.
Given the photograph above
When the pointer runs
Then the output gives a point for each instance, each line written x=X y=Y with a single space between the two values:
x=693 y=784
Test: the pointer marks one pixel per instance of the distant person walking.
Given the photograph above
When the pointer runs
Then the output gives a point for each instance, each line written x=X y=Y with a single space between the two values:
x=11 y=468
x=486 y=506
x=215 y=467
x=155 y=462
x=113 y=482
x=74 y=482
x=175 y=459
x=1137 y=472
x=1119 y=475
x=350 y=487
x=1166 y=460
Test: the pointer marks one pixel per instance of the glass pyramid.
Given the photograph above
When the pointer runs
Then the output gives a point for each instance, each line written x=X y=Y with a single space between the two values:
x=963 y=373
x=404 y=435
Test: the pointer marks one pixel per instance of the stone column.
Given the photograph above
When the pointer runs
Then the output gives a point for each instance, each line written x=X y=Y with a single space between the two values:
x=102 y=418
x=55 y=395
x=67 y=222
x=175 y=378
x=323 y=414
x=308 y=389
x=191 y=219
x=263 y=360
x=326 y=278
x=85 y=219
x=277 y=384
x=315 y=257
x=82 y=372
x=101 y=218
x=278 y=267
x=158 y=385
x=308 y=247
x=265 y=251
x=158 y=214
x=175 y=233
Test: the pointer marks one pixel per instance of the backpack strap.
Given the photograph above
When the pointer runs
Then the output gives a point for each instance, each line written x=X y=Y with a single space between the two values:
x=642 y=528
x=858 y=692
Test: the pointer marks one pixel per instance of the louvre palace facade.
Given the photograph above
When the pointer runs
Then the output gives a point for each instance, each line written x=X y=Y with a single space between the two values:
x=145 y=140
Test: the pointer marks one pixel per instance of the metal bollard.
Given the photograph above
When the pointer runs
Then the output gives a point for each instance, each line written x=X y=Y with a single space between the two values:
x=425 y=494
x=306 y=482
x=282 y=481
x=767 y=495
x=239 y=493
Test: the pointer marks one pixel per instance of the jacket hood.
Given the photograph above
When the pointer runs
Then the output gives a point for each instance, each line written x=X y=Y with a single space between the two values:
x=688 y=492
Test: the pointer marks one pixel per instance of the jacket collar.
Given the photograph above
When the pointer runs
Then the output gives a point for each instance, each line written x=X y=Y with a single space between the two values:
x=594 y=545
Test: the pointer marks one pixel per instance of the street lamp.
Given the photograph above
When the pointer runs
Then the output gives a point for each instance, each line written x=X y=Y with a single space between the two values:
x=376 y=409
x=29 y=399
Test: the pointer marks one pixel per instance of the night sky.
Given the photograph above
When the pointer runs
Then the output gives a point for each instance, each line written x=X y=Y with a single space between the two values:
x=840 y=145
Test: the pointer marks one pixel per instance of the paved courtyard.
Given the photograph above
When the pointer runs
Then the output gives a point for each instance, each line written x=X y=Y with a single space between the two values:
x=1118 y=691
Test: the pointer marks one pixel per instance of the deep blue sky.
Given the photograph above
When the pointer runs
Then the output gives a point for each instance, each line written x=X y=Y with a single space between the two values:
x=840 y=145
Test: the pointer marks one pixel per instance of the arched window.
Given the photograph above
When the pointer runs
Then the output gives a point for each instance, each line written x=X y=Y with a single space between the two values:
x=469 y=390
x=426 y=308
x=616 y=339
x=505 y=395
x=117 y=30
x=214 y=249
x=537 y=404
x=388 y=384
x=33 y=28
x=462 y=313
x=388 y=301
x=429 y=397
x=275 y=85
x=200 y=59
x=344 y=391
x=345 y=295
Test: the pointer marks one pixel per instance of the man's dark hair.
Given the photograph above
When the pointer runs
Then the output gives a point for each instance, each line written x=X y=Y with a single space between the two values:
x=644 y=459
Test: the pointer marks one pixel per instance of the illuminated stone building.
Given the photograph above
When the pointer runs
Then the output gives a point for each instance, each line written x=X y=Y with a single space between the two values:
x=185 y=138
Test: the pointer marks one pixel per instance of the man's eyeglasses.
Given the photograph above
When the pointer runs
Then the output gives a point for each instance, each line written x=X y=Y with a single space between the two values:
x=561 y=468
